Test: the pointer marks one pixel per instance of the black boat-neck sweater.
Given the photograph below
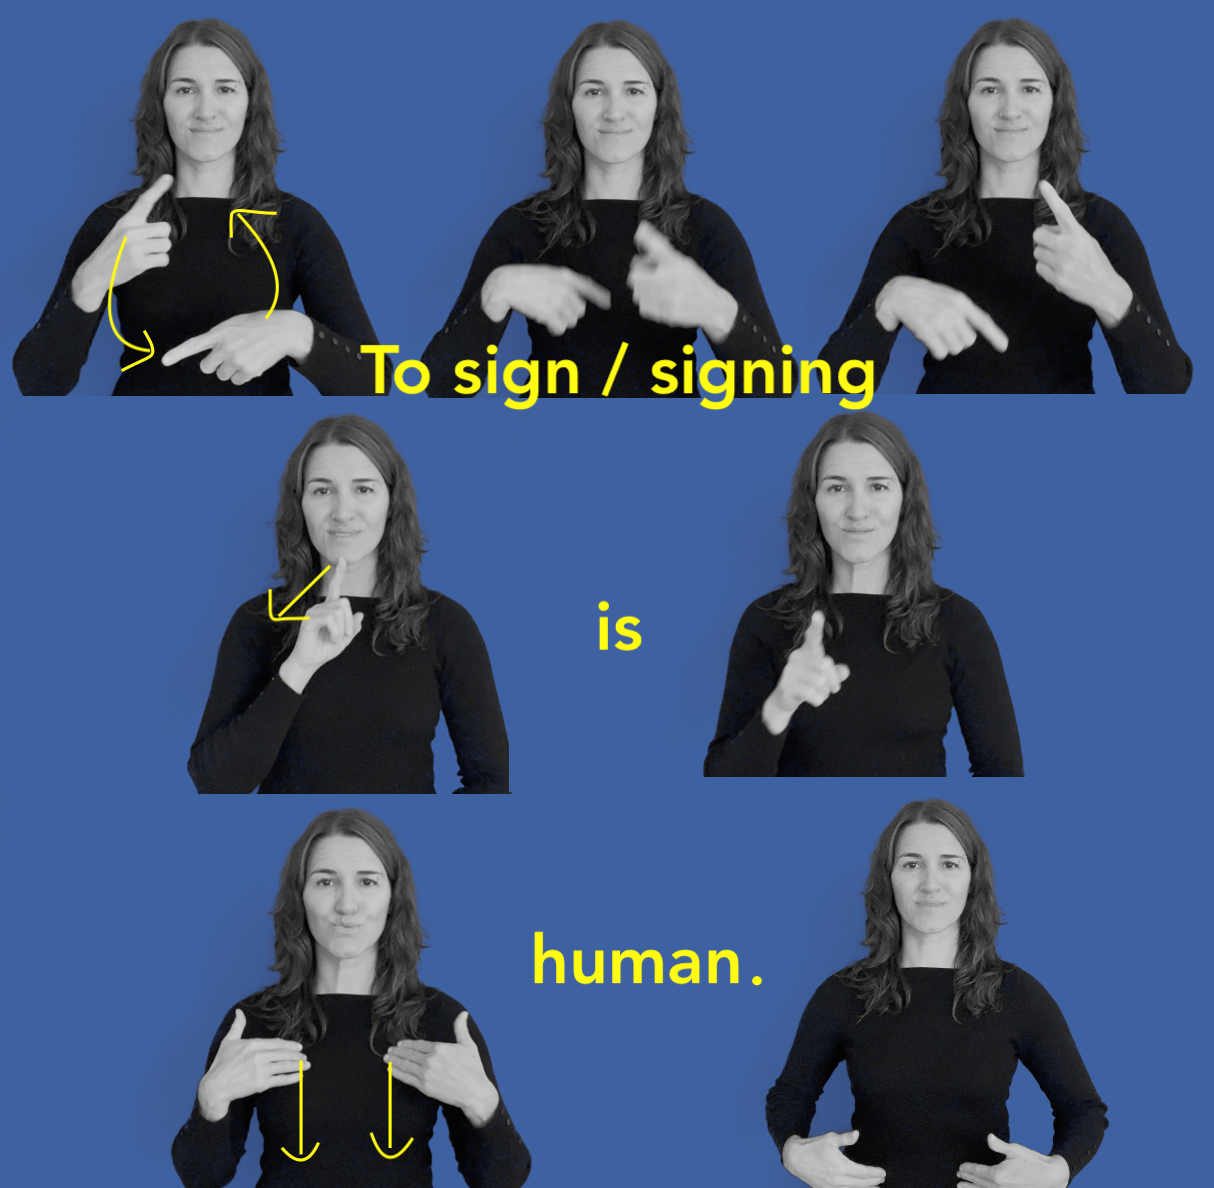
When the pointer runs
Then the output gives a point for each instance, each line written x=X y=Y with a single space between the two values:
x=345 y=1101
x=714 y=242
x=1048 y=334
x=929 y=1089
x=205 y=284
x=889 y=717
x=364 y=723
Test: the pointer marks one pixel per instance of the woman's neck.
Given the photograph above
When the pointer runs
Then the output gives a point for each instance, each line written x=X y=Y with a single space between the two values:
x=356 y=976
x=618 y=181
x=1008 y=179
x=936 y=950
x=203 y=179
x=867 y=577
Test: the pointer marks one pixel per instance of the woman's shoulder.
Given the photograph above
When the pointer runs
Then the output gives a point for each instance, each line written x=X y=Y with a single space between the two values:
x=438 y=1020
x=1103 y=217
x=959 y=614
x=834 y=995
x=301 y=217
x=445 y=614
x=758 y=617
x=1021 y=989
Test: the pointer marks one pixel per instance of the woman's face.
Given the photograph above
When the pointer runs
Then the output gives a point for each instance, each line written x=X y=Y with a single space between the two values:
x=345 y=503
x=931 y=878
x=614 y=104
x=859 y=501
x=346 y=896
x=205 y=104
x=1010 y=103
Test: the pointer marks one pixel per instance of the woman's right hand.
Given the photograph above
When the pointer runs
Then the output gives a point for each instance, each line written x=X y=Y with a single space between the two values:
x=809 y=675
x=554 y=297
x=945 y=320
x=147 y=246
x=243 y=1067
x=819 y=1163
x=326 y=632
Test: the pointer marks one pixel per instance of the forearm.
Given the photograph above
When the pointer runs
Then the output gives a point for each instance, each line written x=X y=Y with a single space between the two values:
x=234 y=755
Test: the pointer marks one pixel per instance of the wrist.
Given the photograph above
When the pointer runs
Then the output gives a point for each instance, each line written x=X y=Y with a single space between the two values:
x=294 y=674
x=775 y=715
x=211 y=1106
x=1063 y=1177
x=480 y=1111
x=85 y=295
x=302 y=335
x=720 y=323
x=494 y=302
x=1113 y=310
x=885 y=306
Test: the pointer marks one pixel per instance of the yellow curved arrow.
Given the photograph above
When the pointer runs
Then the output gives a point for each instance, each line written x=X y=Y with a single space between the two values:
x=373 y=1138
x=240 y=214
x=283 y=617
x=109 y=309
x=301 y=1157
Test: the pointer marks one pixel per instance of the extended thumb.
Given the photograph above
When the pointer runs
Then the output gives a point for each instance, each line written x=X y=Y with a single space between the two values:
x=461 y=1029
x=237 y=1028
x=997 y=1144
x=846 y=1140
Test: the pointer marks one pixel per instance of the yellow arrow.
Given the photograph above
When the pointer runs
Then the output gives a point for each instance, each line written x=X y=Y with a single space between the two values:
x=373 y=1139
x=283 y=617
x=109 y=308
x=240 y=214
x=301 y=1157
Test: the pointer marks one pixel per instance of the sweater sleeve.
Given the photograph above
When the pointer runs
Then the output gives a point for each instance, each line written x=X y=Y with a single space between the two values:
x=1045 y=1047
x=50 y=356
x=468 y=329
x=816 y=1052
x=469 y=701
x=206 y=1154
x=248 y=713
x=1144 y=347
x=330 y=297
x=861 y=336
x=743 y=745
x=980 y=693
x=493 y=1156
x=724 y=254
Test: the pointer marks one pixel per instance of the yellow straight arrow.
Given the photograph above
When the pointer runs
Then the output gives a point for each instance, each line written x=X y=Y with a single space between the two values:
x=282 y=616
x=240 y=214
x=373 y=1138
x=301 y=1157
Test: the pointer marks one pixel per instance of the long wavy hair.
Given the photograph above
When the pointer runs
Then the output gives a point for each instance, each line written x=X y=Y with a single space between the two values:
x=253 y=184
x=561 y=210
x=915 y=599
x=403 y=602
x=979 y=971
x=954 y=209
x=290 y=1008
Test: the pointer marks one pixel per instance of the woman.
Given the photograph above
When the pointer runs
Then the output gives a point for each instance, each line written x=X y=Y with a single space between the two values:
x=348 y=1002
x=615 y=250
x=187 y=275
x=855 y=667
x=1002 y=273
x=337 y=688
x=931 y=1024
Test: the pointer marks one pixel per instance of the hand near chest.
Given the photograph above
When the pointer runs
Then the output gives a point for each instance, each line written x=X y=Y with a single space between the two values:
x=451 y=1073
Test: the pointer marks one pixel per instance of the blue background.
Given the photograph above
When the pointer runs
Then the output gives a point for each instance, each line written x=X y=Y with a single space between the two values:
x=138 y=911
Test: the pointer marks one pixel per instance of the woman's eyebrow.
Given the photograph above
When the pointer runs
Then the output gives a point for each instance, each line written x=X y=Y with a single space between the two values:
x=182 y=78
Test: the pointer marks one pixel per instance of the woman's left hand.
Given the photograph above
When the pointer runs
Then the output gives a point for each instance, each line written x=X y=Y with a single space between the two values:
x=1022 y=1167
x=1075 y=264
x=450 y=1073
x=246 y=346
x=671 y=288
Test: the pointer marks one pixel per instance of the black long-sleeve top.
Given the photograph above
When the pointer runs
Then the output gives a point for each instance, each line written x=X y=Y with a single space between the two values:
x=364 y=722
x=345 y=1101
x=890 y=715
x=929 y=1088
x=1048 y=333
x=715 y=243
x=205 y=284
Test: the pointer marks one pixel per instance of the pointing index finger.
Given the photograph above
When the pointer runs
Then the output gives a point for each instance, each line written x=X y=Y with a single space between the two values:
x=592 y=290
x=333 y=593
x=142 y=206
x=813 y=633
x=649 y=239
x=1062 y=212
x=191 y=346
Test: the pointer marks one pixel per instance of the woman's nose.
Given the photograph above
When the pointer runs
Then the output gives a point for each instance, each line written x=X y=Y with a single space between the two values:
x=342 y=508
x=857 y=506
x=347 y=905
x=614 y=108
